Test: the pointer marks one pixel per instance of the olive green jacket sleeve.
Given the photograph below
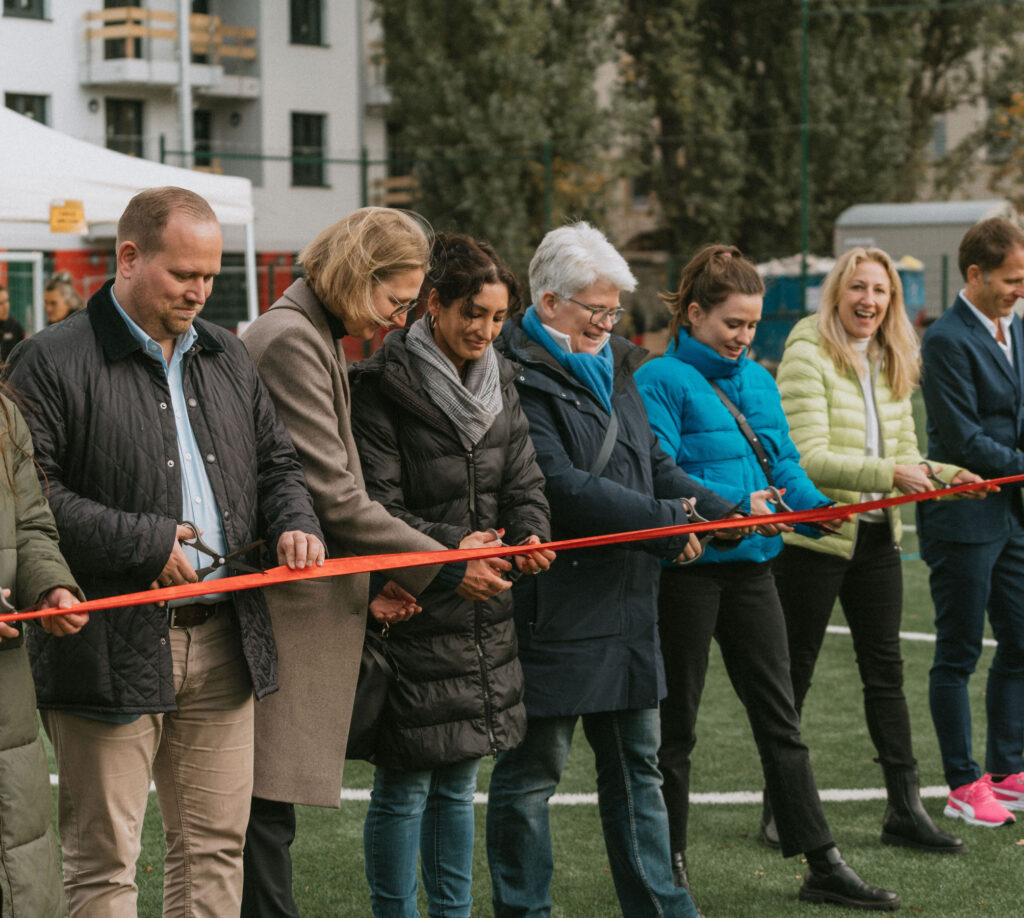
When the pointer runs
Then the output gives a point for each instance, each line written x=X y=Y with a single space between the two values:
x=30 y=560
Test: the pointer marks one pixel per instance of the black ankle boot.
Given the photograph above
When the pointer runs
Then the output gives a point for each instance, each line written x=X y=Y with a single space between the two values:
x=906 y=822
x=680 y=877
x=768 y=833
x=830 y=879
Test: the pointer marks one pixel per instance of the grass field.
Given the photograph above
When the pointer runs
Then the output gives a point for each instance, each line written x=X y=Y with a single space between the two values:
x=732 y=874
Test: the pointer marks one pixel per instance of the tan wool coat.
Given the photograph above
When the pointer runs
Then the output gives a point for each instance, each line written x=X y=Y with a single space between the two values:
x=302 y=730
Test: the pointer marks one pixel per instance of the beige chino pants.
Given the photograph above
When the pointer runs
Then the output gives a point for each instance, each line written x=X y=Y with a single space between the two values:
x=200 y=758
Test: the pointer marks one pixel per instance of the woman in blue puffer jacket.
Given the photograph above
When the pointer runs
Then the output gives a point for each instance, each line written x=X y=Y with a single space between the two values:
x=719 y=415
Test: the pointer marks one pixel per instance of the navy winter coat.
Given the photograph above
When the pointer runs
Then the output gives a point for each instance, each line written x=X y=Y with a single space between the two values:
x=588 y=636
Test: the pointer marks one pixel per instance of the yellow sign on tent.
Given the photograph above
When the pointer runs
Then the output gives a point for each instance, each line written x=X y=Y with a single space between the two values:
x=67 y=217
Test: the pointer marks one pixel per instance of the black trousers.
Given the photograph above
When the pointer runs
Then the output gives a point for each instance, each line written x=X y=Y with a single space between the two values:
x=870 y=588
x=267 y=861
x=735 y=603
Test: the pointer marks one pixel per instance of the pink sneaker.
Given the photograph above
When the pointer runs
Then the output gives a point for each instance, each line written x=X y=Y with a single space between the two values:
x=1009 y=792
x=976 y=805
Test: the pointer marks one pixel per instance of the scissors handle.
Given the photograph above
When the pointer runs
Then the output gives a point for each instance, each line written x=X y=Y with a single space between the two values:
x=219 y=560
x=929 y=470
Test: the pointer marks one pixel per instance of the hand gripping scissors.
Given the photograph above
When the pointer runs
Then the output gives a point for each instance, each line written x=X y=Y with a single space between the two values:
x=694 y=516
x=232 y=560
x=776 y=498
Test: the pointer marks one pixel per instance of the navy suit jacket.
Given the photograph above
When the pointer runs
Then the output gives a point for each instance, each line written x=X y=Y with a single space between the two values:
x=975 y=404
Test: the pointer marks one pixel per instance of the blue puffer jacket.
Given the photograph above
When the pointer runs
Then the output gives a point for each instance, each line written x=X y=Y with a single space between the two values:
x=588 y=634
x=697 y=430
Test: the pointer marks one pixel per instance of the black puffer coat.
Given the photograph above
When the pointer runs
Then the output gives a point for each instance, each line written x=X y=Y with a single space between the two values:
x=100 y=414
x=460 y=695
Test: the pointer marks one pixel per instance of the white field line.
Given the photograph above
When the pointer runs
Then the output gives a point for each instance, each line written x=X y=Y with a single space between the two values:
x=832 y=796
x=907 y=635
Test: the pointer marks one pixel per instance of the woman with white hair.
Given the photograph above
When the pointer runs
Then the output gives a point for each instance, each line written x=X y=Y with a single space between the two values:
x=846 y=378
x=588 y=636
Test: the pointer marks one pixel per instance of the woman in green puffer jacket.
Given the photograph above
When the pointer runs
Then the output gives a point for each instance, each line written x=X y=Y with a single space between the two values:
x=846 y=378
x=31 y=571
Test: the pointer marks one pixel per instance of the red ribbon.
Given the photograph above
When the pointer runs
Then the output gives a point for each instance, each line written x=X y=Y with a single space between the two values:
x=337 y=567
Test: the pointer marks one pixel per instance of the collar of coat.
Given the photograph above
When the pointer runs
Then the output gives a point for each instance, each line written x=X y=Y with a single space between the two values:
x=709 y=363
x=114 y=336
x=400 y=378
x=517 y=346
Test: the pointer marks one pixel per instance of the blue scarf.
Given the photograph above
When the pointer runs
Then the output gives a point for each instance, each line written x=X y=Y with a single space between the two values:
x=595 y=371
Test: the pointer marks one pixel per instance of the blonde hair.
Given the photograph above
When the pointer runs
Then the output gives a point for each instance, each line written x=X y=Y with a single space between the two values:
x=346 y=260
x=64 y=284
x=895 y=342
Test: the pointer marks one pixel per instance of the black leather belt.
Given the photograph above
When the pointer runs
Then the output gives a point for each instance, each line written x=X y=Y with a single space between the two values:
x=191 y=615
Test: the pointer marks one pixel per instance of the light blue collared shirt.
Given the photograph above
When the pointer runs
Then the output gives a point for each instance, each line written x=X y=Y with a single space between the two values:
x=199 y=505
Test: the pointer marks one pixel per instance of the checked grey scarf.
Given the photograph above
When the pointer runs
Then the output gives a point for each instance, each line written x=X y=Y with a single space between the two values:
x=472 y=406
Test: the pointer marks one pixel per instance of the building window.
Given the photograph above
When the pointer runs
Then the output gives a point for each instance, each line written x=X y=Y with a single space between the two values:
x=34 y=107
x=202 y=136
x=307 y=142
x=307 y=22
x=124 y=126
x=115 y=49
x=25 y=9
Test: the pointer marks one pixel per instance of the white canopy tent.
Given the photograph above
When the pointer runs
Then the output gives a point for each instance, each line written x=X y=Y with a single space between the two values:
x=40 y=166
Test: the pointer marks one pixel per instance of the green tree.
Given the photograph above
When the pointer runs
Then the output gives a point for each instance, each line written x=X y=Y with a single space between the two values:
x=720 y=86
x=480 y=89
x=998 y=144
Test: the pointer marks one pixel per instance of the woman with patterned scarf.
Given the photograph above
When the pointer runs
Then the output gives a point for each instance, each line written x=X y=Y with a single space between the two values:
x=445 y=447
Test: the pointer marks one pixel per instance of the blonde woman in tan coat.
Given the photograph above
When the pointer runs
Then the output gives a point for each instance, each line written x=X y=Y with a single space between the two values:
x=363 y=273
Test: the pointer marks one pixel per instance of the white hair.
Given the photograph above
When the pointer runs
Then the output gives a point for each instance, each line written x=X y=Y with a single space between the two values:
x=573 y=257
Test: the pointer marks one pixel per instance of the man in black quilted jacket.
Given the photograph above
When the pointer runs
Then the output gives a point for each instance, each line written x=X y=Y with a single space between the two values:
x=144 y=418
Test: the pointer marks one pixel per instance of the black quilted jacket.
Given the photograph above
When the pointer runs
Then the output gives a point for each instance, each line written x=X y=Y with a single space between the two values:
x=461 y=687
x=99 y=411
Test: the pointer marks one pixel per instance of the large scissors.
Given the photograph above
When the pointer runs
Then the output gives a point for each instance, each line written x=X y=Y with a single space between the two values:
x=7 y=609
x=231 y=560
x=929 y=470
x=777 y=499
x=694 y=516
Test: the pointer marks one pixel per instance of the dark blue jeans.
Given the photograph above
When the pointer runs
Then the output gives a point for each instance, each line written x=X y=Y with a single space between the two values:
x=633 y=816
x=427 y=814
x=737 y=605
x=967 y=578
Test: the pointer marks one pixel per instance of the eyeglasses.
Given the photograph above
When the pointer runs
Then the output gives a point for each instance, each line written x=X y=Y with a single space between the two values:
x=598 y=314
x=401 y=308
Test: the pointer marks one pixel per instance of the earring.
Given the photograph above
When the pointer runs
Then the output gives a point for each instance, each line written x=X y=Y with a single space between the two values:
x=431 y=321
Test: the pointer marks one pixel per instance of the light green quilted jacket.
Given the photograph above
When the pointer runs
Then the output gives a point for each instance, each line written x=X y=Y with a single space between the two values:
x=828 y=423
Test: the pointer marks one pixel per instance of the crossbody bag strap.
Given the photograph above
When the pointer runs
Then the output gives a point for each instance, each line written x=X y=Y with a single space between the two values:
x=744 y=425
x=605 y=453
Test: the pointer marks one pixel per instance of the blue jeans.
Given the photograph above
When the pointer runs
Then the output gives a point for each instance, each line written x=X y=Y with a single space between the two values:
x=426 y=813
x=966 y=578
x=633 y=815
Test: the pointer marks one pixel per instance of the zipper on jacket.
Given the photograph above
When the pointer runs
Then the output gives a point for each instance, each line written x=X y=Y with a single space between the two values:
x=477 y=610
x=890 y=512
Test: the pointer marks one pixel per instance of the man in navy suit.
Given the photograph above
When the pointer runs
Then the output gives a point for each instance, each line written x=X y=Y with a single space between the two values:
x=973 y=385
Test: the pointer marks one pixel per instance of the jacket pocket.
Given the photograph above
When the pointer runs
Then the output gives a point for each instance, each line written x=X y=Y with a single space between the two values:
x=583 y=599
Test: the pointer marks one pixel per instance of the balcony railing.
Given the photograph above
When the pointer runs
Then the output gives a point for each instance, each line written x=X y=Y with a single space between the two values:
x=118 y=40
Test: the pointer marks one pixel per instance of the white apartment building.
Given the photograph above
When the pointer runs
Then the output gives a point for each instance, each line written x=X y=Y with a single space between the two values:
x=266 y=81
